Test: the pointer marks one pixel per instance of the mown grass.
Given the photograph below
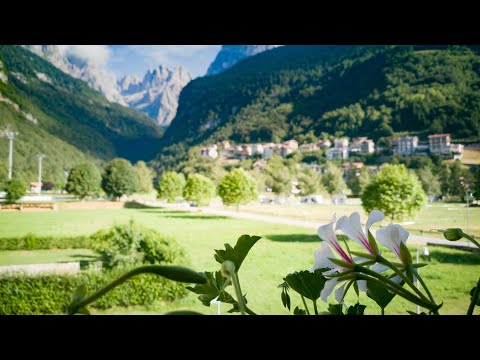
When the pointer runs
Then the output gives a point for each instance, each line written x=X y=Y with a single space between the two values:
x=284 y=249
x=431 y=217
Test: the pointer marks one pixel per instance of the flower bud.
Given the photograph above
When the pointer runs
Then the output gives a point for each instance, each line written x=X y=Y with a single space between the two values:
x=227 y=269
x=453 y=234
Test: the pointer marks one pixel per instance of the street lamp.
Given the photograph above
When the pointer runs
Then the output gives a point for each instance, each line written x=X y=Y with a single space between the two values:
x=11 y=136
x=40 y=158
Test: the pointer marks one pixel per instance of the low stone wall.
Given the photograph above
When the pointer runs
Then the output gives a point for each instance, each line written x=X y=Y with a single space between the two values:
x=41 y=269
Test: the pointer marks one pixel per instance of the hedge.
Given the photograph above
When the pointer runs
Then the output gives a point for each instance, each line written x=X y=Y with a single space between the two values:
x=50 y=294
x=32 y=242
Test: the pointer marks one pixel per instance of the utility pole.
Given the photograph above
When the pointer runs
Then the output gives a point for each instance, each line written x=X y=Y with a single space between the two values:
x=10 y=135
x=40 y=158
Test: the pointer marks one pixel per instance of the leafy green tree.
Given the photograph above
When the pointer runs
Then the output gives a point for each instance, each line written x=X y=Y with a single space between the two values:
x=237 y=187
x=278 y=176
x=83 y=180
x=332 y=179
x=145 y=178
x=309 y=182
x=430 y=181
x=171 y=186
x=358 y=180
x=15 y=189
x=395 y=191
x=119 y=178
x=460 y=178
x=199 y=189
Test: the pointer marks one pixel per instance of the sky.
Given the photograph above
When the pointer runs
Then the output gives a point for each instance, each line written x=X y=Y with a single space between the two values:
x=137 y=59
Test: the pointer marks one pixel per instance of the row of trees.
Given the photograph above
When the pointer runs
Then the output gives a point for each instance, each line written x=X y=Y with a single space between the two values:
x=235 y=187
x=119 y=178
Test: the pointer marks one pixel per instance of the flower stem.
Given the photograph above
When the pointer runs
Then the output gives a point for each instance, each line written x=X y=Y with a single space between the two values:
x=383 y=311
x=469 y=237
x=305 y=304
x=384 y=261
x=474 y=298
x=383 y=281
x=417 y=274
x=238 y=291
x=315 y=306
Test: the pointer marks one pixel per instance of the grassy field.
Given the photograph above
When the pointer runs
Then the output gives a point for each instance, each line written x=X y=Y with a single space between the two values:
x=471 y=157
x=432 y=216
x=283 y=249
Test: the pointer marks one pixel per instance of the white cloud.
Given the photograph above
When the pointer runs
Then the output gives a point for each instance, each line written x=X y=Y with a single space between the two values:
x=167 y=54
x=95 y=54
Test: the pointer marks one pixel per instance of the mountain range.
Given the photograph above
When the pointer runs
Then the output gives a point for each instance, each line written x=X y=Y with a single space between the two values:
x=157 y=93
x=63 y=118
x=353 y=90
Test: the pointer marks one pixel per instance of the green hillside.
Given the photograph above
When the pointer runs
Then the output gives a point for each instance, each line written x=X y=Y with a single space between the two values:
x=68 y=119
x=341 y=90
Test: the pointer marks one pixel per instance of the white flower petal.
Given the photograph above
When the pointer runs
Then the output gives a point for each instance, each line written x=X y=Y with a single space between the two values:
x=375 y=216
x=379 y=268
x=321 y=258
x=339 y=293
x=403 y=233
x=390 y=238
x=362 y=285
x=326 y=232
x=353 y=229
x=328 y=288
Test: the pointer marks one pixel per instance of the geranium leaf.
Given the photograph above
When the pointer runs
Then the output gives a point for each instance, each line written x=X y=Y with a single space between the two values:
x=379 y=294
x=239 y=252
x=336 y=309
x=357 y=309
x=306 y=283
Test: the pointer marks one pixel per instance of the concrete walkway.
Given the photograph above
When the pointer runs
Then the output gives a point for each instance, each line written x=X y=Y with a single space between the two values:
x=413 y=239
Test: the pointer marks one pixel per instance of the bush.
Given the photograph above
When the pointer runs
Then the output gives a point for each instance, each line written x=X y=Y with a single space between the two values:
x=50 y=294
x=130 y=244
x=171 y=186
x=199 y=189
x=237 y=187
x=83 y=180
x=32 y=242
x=15 y=189
x=120 y=178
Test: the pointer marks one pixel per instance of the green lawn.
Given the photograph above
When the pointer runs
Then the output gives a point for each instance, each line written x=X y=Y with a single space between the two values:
x=282 y=250
x=432 y=216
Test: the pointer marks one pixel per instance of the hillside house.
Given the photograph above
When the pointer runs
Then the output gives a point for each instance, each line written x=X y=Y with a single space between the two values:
x=405 y=145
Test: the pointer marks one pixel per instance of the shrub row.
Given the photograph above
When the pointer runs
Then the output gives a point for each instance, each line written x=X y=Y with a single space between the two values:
x=32 y=242
x=50 y=294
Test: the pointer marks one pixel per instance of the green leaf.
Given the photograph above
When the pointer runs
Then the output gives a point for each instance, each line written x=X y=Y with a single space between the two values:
x=299 y=311
x=211 y=289
x=379 y=294
x=179 y=273
x=363 y=255
x=306 y=283
x=341 y=263
x=405 y=254
x=471 y=296
x=239 y=252
x=357 y=309
x=413 y=313
x=183 y=312
x=336 y=309
x=373 y=243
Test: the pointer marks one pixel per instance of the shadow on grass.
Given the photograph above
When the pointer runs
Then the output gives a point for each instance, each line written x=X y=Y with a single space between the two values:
x=136 y=205
x=293 y=238
x=455 y=258
x=161 y=211
x=198 y=217
x=93 y=257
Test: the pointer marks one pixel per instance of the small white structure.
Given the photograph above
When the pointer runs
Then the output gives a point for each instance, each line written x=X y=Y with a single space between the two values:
x=337 y=153
x=341 y=143
x=209 y=151
x=405 y=145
